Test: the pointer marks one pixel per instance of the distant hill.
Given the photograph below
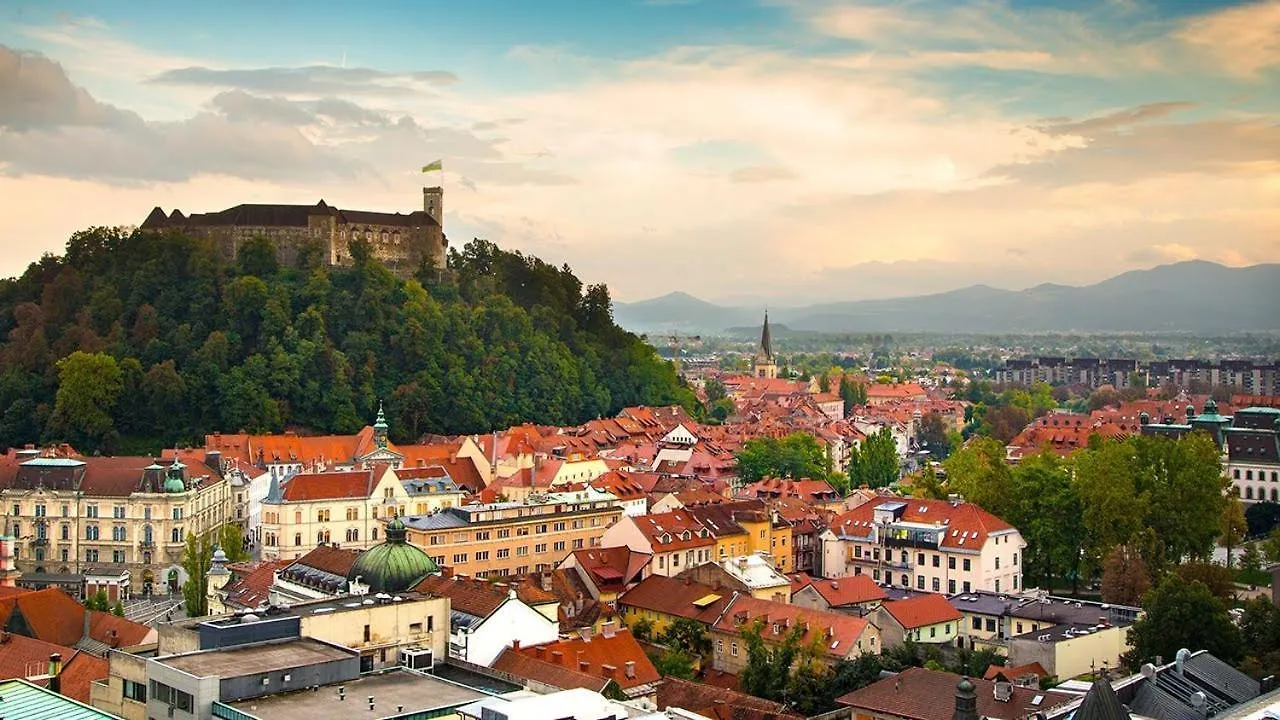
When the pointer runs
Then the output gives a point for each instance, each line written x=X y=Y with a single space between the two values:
x=1195 y=296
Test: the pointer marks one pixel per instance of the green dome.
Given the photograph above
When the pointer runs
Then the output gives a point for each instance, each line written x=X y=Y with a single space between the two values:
x=393 y=566
x=173 y=482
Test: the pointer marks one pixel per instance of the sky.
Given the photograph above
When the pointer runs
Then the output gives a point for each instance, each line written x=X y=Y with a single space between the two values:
x=771 y=151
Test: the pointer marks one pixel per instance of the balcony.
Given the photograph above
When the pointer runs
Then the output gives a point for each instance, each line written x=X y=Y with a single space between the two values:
x=40 y=542
x=147 y=544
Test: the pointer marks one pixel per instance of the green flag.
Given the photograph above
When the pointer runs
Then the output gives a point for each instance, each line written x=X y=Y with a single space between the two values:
x=437 y=165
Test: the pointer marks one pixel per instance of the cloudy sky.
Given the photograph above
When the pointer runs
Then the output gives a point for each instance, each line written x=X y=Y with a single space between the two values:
x=773 y=151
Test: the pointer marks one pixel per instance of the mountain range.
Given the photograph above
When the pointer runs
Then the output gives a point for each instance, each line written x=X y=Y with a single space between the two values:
x=1195 y=296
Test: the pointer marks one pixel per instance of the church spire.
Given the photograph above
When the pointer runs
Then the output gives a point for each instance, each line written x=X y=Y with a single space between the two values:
x=766 y=346
x=380 y=428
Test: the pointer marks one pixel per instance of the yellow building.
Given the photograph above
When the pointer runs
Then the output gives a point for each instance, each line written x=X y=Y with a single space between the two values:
x=344 y=508
x=118 y=524
x=926 y=619
x=746 y=527
x=501 y=539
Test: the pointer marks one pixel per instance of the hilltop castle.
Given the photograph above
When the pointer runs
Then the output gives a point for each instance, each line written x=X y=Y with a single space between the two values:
x=401 y=242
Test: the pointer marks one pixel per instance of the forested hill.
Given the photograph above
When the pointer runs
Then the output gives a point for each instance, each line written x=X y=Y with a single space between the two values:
x=131 y=340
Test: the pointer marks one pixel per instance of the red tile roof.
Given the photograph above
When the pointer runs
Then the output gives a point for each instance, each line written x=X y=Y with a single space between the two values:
x=844 y=591
x=922 y=611
x=675 y=530
x=612 y=569
x=251 y=582
x=117 y=631
x=836 y=632
x=602 y=655
x=529 y=667
x=305 y=487
x=337 y=561
x=1016 y=671
x=963 y=521
x=54 y=616
x=677 y=597
x=718 y=702
x=920 y=694
x=22 y=657
x=468 y=595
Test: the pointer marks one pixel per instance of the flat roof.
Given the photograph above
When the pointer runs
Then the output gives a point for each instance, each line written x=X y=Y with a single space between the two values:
x=415 y=691
x=256 y=659
x=338 y=604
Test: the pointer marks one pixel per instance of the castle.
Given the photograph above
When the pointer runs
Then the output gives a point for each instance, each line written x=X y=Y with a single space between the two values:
x=401 y=242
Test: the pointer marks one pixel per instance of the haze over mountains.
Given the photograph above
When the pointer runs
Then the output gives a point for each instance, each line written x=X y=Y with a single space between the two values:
x=1195 y=296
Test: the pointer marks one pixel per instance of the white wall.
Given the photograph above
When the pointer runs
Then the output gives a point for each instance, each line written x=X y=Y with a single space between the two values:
x=513 y=621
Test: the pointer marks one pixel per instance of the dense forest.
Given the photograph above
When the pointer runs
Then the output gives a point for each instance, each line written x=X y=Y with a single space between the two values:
x=132 y=340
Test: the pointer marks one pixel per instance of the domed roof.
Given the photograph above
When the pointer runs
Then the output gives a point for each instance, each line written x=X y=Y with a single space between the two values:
x=964 y=685
x=393 y=566
x=174 y=484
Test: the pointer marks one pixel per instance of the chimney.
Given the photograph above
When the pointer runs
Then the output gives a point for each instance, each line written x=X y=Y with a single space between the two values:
x=87 y=618
x=557 y=657
x=586 y=633
x=610 y=671
x=609 y=629
x=631 y=669
x=546 y=582
x=515 y=644
x=540 y=651
x=55 y=672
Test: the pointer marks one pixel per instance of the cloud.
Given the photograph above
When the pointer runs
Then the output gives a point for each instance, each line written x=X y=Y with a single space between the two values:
x=1244 y=39
x=50 y=126
x=310 y=80
x=760 y=173
x=34 y=92
x=238 y=105
x=1121 y=118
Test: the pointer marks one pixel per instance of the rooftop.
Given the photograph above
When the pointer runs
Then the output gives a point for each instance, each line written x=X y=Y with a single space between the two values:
x=21 y=699
x=921 y=694
x=414 y=691
x=256 y=659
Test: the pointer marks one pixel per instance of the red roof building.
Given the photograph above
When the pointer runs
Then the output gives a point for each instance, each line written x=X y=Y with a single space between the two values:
x=610 y=656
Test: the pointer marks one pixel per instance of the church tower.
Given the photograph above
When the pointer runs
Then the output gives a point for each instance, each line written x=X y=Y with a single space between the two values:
x=763 y=365
x=218 y=577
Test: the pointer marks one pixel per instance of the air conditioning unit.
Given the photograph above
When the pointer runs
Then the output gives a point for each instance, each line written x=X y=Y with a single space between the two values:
x=417 y=658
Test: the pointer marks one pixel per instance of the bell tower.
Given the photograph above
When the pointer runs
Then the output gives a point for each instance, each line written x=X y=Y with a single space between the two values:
x=763 y=364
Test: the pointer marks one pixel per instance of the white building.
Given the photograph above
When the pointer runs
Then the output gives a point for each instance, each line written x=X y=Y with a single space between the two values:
x=931 y=545
x=485 y=621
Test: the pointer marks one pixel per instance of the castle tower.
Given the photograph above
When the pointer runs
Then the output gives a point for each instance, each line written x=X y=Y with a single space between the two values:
x=218 y=577
x=763 y=365
x=433 y=203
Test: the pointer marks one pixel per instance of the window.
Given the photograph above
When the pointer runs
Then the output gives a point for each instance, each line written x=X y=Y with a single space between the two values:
x=172 y=696
x=558 y=546
x=937 y=584
x=933 y=631
x=117 y=533
x=135 y=691
x=504 y=553
x=504 y=533
x=541 y=528
x=482 y=555
x=919 y=582
x=733 y=649
x=117 y=556
x=977 y=623
x=1015 y=559
x=89 y=511
x=1019 y=629
x=353 y=534
x=40 y=510
x=353 y=513
x=937 y=560
x=522 y=550
x=459 y=558
x=967 y=564
x=1236 y=473
x=558 y=527
x=297 y=539
x=66 y=532
x=90 y=532
x=991 y=625
x=540 y=548
x=967 y=587
x=951 y=563
x=904 y=557
x=91 y=556
x=482 y=535
x=906 y=580
x=322 y=516
x=577 y=544
x=997 y=562
x=919 y=558
x=997 y=584
x=117 y=512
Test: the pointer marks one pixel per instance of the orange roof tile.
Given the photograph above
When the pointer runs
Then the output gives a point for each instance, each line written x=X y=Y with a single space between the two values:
x=963 y=521
x=922 y=611
x=305 y=487
x=837 y=632
x=590 y=656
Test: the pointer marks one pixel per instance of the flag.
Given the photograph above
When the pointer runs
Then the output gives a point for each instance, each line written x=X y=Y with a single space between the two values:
x=437 y=165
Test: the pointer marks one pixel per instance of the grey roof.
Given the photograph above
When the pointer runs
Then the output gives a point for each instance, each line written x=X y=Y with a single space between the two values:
x=1153 y=702
x=1215 y=674
x=982 y=603
x=1101 y=703
x=436 y=521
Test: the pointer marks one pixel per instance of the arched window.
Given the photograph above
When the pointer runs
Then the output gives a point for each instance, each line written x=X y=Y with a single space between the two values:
x=1248 y=493
x=146 y=534
x=1274 y=495
x=176 y=535
x=353 y=534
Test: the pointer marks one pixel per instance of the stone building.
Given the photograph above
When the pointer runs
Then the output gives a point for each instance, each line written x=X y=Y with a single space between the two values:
x=118 y=524
x=402 y=242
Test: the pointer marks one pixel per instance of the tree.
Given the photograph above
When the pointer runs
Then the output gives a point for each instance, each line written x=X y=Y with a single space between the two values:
x=195 y=561
x=642 y=629
x=1179 y=615
x=1271 y=548
x=1232 y=526
x=979 y=473
x=89 y=386
x=852 y=392
x=715 y=390
x=98 y=601
x=674 y=663
x=768 y=665
x=118 y=609
x=1045 y=507
x=257 y=256
x=1262 y=518
x=933 y=432
x=231 y=540
x=874 y=463
x=687 y=636
x=1110 y=508
x=1219 y=580
x=798 y=455
x=1125 y=577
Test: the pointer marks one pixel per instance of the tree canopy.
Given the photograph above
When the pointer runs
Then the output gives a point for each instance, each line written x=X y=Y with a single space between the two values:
x=133 y=339
x=798 y=455
x=874 y=463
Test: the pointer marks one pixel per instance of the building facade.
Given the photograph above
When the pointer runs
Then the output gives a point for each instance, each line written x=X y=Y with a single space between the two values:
x=346 y=508
x=501 y=539
x=929 y=545
x=108 y=522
